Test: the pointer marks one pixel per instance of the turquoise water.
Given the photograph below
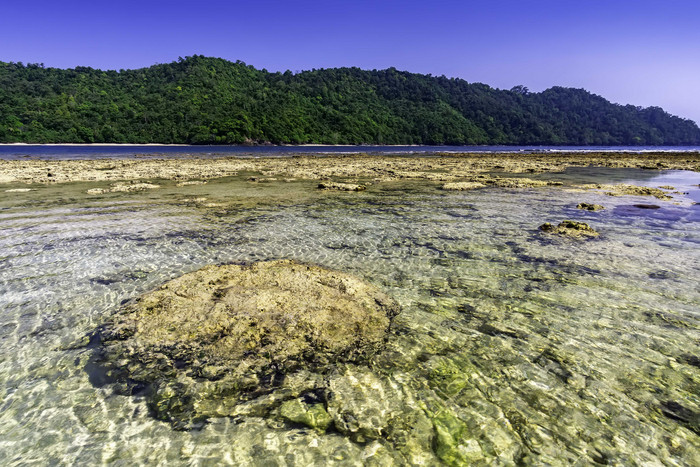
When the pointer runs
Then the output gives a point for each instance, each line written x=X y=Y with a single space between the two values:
x=512 y=346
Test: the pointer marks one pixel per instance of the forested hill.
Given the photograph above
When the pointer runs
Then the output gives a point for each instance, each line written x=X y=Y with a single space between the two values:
x=213 y=101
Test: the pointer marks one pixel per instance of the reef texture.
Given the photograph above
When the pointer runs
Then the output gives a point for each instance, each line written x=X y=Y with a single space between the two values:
x=211 y=342
x=123 y=187
x=439 y=167
x=633 y=190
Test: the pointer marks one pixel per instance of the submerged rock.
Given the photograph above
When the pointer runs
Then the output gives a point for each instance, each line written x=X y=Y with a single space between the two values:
x=209 y=340
x=19 y=190
x=341 y=186
x=191 y=183
x=312 y=415
x=571 y=229
x=590 y=207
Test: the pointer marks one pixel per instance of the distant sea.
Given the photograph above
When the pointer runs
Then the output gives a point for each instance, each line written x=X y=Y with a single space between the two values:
x=41 y=151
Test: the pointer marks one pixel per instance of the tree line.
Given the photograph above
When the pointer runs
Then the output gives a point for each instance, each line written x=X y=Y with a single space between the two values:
x=202 y=100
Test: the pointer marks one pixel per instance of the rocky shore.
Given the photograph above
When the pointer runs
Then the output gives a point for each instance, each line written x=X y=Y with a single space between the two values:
x=445 y=168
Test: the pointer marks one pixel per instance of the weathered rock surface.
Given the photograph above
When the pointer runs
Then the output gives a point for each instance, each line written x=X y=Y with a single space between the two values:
x=341 y=186
x=571 y=229
x=521 y=182
x=123 y=187
x=212 y=339
x=633 y=190
x=462 y=186
x=437 y=167
x=312 y=415
x=590 y=207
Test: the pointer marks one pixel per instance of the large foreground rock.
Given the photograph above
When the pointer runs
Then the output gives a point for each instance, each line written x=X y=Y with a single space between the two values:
x=209 y=340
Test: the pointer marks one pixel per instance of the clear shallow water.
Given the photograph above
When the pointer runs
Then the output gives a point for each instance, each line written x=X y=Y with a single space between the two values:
x=12 y=152
x=511 y=347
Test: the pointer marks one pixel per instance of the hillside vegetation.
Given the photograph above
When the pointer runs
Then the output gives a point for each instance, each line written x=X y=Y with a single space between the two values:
x=203 y=100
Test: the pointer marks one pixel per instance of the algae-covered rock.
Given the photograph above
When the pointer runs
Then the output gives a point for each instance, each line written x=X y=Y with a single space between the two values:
x=452 y=443
x=571 y=229
x=312 y=415
x=213 y=338
x=590 y=207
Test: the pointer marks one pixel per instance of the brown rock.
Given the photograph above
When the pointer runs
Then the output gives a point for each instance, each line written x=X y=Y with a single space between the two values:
x=209 y=338
x=590 y=207
x=341 y=186
x=572 y=229
x=462 y=186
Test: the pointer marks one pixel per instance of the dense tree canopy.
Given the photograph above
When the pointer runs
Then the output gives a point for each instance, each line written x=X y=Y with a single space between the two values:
x=204 y=100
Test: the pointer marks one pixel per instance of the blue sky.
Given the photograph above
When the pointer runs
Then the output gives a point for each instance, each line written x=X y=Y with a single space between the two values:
x=637 y=52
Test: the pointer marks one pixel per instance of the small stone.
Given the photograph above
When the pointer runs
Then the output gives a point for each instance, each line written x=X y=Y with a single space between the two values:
x=646 y=206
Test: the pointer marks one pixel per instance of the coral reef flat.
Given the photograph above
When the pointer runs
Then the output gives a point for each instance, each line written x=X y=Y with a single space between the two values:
x=167 y=311
x=437 y=167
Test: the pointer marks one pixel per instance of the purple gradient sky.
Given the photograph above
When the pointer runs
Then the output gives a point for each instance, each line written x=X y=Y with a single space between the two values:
x=638 y=52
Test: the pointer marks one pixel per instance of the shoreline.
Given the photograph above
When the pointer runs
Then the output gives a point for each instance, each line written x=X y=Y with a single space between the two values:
x=433 y=148
x=436 y=167
x=91 y=144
